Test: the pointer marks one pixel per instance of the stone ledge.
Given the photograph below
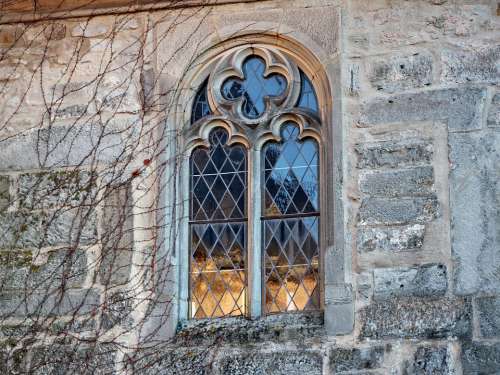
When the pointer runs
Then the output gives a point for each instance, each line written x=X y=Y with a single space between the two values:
x=296 y=326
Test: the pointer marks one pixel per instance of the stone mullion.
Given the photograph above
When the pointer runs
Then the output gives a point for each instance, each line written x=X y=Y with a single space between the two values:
x=254 y=241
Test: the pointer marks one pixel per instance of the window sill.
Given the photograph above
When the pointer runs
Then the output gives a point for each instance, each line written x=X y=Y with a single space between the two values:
x=279 y=327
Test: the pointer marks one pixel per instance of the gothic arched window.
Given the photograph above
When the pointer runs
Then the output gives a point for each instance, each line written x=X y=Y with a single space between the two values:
x=254 y=169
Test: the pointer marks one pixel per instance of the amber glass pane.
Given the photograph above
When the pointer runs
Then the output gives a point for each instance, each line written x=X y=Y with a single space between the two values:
x=290 y=224
x=218 y=229
x=254 y=88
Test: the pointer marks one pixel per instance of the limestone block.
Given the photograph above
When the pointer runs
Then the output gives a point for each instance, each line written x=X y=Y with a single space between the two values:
x=462 y=107
x=429 y=280
x=189 y=361
x=480 y=358
x=397 y=211
x=494 y=112
x=116 y=237
x=69 y=302
x=54 y=189
x=409 y=237
x=4 y=192
x=416 y=318
x=277 y=363
x=488 y=313
x=356 y=359
x=118 y=311
x=412 y=181
x=318 y=23
x=77 y=358
x=63 y=146
x=393 y=154
x=400 y=72
x=429 y=360
x=475 y=218
x=23 y=229
x=91 y=28
x=478 y=65
x=62 y=267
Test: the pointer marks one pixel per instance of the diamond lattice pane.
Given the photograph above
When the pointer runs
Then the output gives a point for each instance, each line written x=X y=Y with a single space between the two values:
x=218 y=229
x=291 y=262
x=291 y=175
x=290 y=224
x=201 y=108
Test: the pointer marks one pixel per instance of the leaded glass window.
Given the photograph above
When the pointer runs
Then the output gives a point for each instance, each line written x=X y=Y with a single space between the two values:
x=218 y=228
x=254 y=251
x=290 y=223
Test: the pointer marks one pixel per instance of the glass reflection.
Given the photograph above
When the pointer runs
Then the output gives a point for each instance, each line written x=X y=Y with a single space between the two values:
x=201 y=108
x=218 y=229
x=254 y=88
x=307 y=97
x=291 y=223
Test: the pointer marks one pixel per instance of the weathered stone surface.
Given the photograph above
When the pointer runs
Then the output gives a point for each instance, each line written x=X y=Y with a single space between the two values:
x=116 y=237
x=72 y=302
x=118 y=310
x=75 y=110
x=429 y=280
x=416 y=318
x=494 y=111
x=409 y=237
x=481 y=358
x=462 y=108
x=352 y=359
x=12 y=361
x=52 y=189
x=488 y=313
x=90 y=29
x=19 y=230
x=278 y=363
x=61 y=146
x=75 y=226
x=477 y=65
x=4 y=192
x=280 y=328
x=411 y=181
x=170 y=361
x=393 y=154
x=475 y=218
x=429 y=360
x=393 y=73
x=390 y=211
x=63 y=359
x=62 y=267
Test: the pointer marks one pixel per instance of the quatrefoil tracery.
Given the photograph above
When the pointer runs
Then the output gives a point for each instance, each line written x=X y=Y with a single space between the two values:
x=250 y=85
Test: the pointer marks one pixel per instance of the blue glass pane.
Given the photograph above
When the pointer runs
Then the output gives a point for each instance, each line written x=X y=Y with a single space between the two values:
x=307 y=97
x=201 y=108
x=254 y=88
x=291 y=175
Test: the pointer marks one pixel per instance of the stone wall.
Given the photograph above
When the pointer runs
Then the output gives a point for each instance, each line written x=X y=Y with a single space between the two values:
x=81 y=174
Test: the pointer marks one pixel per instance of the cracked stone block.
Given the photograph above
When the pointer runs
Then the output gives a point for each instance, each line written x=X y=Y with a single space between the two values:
x=414 y=317
x=394 y=73
x=404 y=238
x=399 y=182
x=461 y=107
x=391 y=154
x=429 y=280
